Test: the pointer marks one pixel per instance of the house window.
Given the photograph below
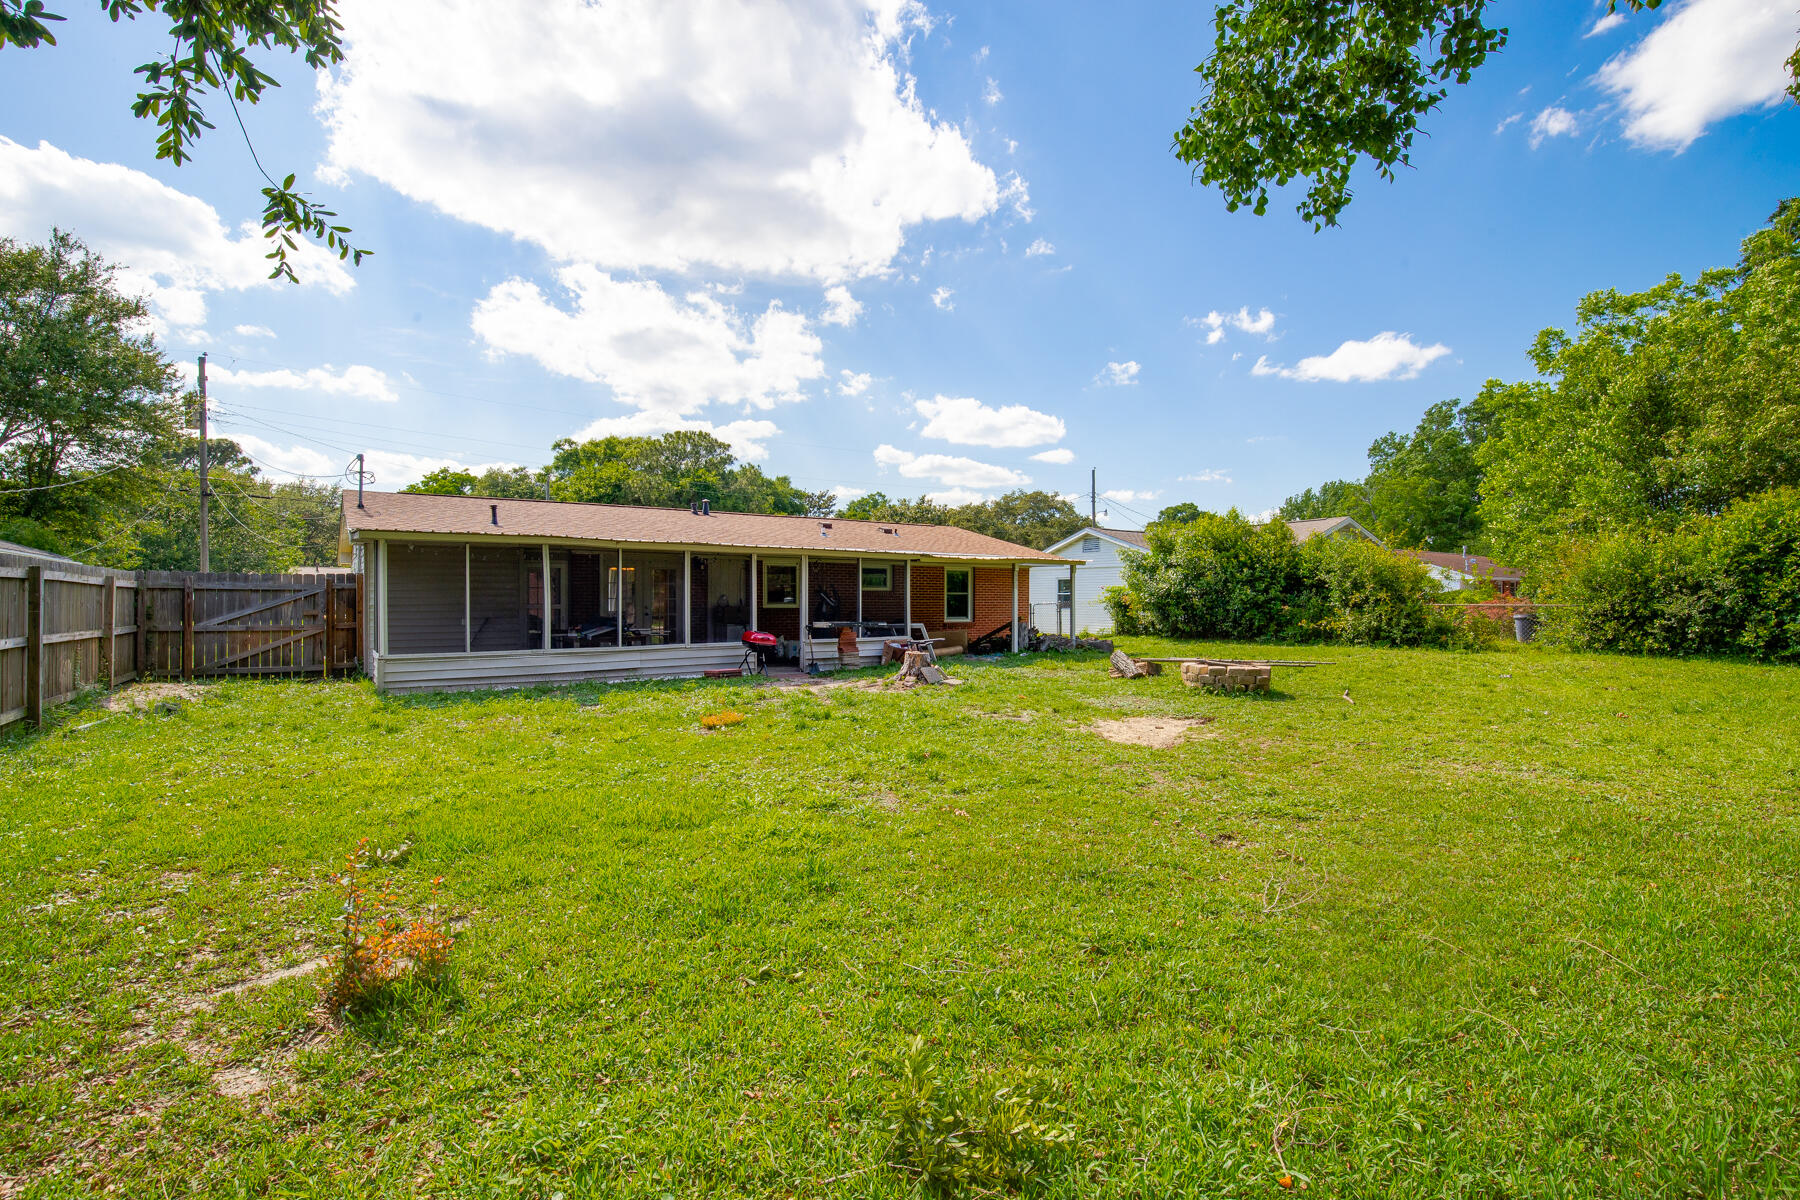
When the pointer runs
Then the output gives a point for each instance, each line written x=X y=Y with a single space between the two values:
x=1062 y=593
x=877 y=579
x=959 y=595
x=781 y=585
x=1090 y=545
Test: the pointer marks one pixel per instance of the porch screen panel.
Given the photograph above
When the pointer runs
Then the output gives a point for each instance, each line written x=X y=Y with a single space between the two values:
x=721 y=604
x=497 y=600
x=649 y=589
x=425 y=609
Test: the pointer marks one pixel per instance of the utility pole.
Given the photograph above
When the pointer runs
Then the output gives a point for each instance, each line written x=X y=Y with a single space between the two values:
x=1093 y=489
x=205 y=492
x=360 y=475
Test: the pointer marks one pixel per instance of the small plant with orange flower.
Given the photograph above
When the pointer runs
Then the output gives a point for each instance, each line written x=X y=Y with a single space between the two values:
x=380 y=945
x=721 y=720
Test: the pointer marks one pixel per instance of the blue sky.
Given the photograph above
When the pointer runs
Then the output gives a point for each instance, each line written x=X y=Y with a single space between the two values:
x=923 y=250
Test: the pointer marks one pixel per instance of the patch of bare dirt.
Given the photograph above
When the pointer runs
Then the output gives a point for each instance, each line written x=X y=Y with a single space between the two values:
x=1230 y=841
x=141 y=697
x=1021 y=718
x=1158 y=733
x=263 y=980
x=239 y=1083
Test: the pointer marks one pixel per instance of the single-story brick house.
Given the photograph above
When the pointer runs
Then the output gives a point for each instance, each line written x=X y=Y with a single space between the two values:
x=455 y=587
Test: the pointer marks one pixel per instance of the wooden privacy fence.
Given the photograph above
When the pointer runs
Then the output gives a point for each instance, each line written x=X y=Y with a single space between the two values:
x=66 y=626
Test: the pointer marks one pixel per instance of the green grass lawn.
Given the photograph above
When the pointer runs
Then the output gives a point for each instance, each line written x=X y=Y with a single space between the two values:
x=1516 y=923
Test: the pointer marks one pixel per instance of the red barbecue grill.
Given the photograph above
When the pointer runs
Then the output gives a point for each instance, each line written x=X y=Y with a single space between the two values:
x=757 y=647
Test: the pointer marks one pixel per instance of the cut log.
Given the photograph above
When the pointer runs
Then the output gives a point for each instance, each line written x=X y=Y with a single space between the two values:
x=1124 y=668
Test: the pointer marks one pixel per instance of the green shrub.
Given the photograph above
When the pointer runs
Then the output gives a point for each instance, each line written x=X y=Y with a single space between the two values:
x=1216 y=576
x=1367 y=595
x=1728 y=584
x=1126 y=611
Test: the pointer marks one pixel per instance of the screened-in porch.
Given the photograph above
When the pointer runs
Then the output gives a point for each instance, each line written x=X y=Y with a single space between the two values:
x=483 y=614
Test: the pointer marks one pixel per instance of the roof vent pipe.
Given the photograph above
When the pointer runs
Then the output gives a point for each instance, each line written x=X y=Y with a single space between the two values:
x=694 y=507
x=494 y=513
x=706 y=508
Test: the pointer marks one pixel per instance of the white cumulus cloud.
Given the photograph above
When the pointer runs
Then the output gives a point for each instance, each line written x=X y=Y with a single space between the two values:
x=1129 y=496
x=171 y=248
x=852 y=383
x=1708 y=60
x=1117 y=374
x=942 y=299
x=654 y=350
x=778 y=138
x=1209 y=475
x=1062 y=456
x=1261 y=322
x=1606 y=24
x=841 y=308
x=256 y=331
x=1384 y=356
x=1553 y=122
x=968 y=422
x=748 y=438
x=991 y=93
x=363 y=382
x=951 y=470
x=956 y=495
x=1039 y=248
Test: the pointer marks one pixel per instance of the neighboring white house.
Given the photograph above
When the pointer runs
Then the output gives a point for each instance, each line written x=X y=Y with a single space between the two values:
x=1061 y=604
x=1056 y=597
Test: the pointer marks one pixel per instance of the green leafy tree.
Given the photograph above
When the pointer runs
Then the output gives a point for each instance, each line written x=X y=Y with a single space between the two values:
x=1424 y=490
x=876 y=506
x=1179 y=514
x=1306 y=89
x=510 y=483
x=673 y=470
x=1026 y=518
x=209 y=51
x=1334 y=498
x=87 y=400
x=1662 y=405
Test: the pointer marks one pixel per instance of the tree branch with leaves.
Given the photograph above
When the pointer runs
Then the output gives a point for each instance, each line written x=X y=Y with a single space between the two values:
x=210 y=51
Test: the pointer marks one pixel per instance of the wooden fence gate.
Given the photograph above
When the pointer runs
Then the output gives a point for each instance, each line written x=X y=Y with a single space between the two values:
x=66 y=626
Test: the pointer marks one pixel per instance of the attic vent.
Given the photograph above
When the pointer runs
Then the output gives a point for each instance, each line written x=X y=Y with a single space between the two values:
x=890 y=532
x=1090 y=545
x=824 y=524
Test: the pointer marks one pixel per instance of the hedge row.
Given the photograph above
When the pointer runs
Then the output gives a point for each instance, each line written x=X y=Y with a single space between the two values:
x=1728 y=584
x=1222 y=577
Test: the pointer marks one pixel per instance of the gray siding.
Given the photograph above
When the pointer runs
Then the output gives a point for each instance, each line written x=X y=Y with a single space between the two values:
x=464 y=672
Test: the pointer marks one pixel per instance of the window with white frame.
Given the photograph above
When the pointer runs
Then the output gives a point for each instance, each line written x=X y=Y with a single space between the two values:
x=959 y=594
x=877 y=578
x=1062 y=593
x=781 y=585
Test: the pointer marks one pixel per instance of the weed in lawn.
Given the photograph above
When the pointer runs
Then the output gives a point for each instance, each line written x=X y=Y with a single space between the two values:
x=978 y=1135
x=722 y=720
x=380 y=947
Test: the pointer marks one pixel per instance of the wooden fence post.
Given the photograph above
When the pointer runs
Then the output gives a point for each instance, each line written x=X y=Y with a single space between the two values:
x=330 y=596
x=187 y=629
x=108 y=601
x=140 y=609
x=34 y=645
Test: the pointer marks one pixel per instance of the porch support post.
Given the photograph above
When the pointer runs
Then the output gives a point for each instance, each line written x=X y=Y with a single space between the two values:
x=859 y=597
x=468 y=630
x=1015 y=609
x=1072 y=626
x=805 y=633
x=687 y=597
x=752 y=625
x=619 y=597
x=385 y=561
x=544 y=592
x=906 y=615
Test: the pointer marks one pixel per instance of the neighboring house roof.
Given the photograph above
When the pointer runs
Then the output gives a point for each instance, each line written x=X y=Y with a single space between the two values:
x=1328 y=526
x=1132 y=538
x=1473 y=565
x=15 y=548
x=475 y=516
